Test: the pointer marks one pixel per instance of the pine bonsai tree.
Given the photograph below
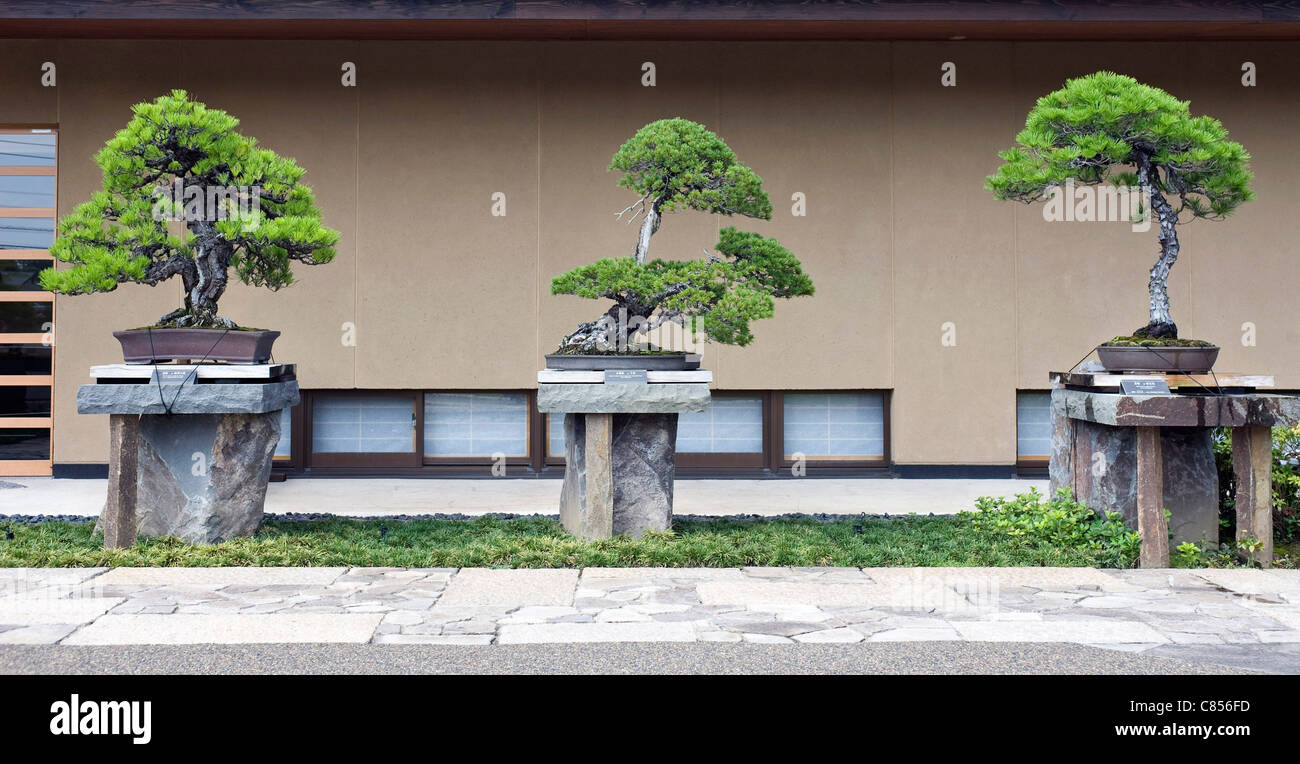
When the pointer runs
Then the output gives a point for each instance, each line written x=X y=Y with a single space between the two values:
x=239 y=205
x=1109 y=128
x=677 y=164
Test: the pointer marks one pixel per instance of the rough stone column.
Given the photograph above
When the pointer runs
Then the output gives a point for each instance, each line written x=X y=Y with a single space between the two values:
x=1060 y=468
x=587 y=498
x=1152 y=526
x=203 y=476
x=1252 y=465
x=644 y=467
x=119 y=519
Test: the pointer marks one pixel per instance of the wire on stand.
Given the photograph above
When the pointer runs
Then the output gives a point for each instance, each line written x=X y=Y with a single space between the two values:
x=167 y=407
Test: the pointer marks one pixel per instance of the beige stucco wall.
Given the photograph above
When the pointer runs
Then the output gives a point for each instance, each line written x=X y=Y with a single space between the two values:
x=899 y=235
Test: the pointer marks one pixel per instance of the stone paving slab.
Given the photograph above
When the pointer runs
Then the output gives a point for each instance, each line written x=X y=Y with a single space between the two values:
x=226 y=629
x=31 y=611
x=1131 y=610
x=1038 y=578
x=1249 y=581
x=224 y=576
x=786 y=593
x=482 y=586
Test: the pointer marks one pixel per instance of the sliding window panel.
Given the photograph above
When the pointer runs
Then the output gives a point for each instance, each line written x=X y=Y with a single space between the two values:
x=729 y=433
x=364 y=429
x=473 y=427
x=1033 y=426
x=836 y=427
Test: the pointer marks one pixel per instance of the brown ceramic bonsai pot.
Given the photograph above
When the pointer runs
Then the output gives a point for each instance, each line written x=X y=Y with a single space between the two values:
x=647 y=361
x=233 y=345
x=1190 y=360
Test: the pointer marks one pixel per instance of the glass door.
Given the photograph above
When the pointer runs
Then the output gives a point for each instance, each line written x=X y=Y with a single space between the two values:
x=27 y=213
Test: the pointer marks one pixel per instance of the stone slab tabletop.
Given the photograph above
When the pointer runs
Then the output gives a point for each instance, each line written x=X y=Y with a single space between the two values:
x=187 y=399
x=1230 y=410
x=662 y=398
x=1094 y=378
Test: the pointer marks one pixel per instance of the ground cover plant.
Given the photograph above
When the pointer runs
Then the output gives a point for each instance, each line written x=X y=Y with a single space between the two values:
x=537 y=542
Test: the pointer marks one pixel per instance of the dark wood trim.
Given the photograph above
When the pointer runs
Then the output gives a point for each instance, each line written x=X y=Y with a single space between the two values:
x=658 y=10
x=536 y=434
x=720 y=461
x=774 y=430
x=648 y=29
x=888 y=404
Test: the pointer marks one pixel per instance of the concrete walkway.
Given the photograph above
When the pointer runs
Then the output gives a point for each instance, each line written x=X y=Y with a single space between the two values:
x=369 y=497
x=1133 y=610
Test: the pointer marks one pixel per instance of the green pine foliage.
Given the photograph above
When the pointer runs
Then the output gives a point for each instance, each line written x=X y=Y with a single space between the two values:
x=127 y=232
x=676 y=164
x=1093 y=131
x=686 y=166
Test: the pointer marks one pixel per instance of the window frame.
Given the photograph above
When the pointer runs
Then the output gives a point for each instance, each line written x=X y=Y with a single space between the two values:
x=31 y=467
x=777 y=445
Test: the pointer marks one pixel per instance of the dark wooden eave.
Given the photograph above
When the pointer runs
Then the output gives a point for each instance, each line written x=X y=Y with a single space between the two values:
x=655 y=19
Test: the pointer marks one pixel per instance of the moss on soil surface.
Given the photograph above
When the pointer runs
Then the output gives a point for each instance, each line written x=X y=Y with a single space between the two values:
x=1147 y=342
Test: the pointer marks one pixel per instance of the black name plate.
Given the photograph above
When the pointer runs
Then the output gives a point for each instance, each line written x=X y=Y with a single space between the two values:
x=626 y=376
x=1144 y=387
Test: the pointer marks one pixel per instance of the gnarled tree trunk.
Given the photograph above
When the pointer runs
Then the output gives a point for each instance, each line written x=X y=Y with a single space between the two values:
x=1160 y=321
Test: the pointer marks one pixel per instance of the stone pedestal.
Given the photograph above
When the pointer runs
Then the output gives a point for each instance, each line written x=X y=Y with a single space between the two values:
x=189 y=457
x=620 y=446
x=1142 y=454
x=1106 y=473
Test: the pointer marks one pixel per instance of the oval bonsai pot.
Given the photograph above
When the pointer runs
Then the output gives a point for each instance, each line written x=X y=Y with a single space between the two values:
x=1192 y=360
x=647 y=361
x=234 y=345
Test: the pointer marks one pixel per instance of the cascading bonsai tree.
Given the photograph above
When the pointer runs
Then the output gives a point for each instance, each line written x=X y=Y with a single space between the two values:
x=1108 y=128
x=186 y=195
x=675 y=164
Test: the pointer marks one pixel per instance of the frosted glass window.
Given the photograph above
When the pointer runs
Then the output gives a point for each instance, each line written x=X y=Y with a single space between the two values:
x=476 y=424
x=730 y=425
x=284 y=449
x=834 y=425
x=1033 y=424
x=555 y=434
x=362 y=424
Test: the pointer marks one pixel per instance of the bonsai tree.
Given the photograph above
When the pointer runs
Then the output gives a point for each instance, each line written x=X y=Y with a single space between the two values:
x=1109 y=128
x=676 y=164
x=238 y=205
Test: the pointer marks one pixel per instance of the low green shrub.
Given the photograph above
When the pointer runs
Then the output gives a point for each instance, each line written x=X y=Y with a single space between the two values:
x=1060 y=521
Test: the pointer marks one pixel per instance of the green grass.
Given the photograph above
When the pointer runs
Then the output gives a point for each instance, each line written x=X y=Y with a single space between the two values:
x=542 y=543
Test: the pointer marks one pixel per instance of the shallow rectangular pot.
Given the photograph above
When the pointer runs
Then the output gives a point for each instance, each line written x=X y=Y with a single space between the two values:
x=233 y=346
x=649 y=362
x=1190 y=360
